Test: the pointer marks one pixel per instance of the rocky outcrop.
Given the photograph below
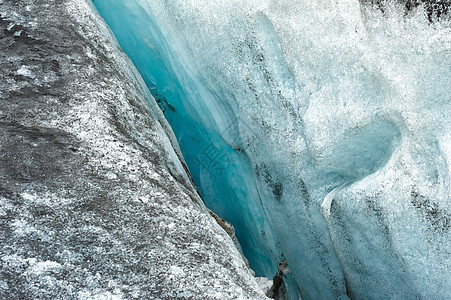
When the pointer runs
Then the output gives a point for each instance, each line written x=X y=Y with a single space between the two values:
x=95 y=201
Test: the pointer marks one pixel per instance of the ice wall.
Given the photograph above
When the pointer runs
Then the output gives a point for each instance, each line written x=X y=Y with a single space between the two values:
x=94 y=200
x=320 y=129
x=221 y=171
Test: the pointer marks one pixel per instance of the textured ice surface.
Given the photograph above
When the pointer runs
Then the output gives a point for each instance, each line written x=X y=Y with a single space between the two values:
x=219 y=167
x=340 y=138
x=95 y=202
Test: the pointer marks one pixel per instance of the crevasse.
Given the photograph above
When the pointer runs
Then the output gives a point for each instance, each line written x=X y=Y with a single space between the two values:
x=320 y=129
x=219 y=167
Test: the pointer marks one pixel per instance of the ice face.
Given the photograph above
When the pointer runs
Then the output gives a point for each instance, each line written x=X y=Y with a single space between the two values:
x=219 y=167
x=321 y=130
x=95 y=201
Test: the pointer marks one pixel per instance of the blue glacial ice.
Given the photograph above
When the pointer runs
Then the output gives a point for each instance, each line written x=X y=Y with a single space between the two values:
x=320 y=129
x=220 y=171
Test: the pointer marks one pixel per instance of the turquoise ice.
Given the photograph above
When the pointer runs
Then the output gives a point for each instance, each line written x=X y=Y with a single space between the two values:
x=320 y=129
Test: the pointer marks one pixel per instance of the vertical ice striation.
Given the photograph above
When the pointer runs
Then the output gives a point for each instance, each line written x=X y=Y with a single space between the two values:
x=320 y=129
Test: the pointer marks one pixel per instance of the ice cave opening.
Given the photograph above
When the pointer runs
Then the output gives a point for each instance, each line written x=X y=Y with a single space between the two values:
x=319 y=129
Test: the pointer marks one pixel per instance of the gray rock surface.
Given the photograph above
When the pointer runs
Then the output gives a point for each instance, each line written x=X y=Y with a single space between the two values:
x=95 y=202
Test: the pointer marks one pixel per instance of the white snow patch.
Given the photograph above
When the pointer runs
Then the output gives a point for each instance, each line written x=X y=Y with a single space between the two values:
x=111 y=175
x=43 y=267
x=25 y=71
x=264 y=284
x=28 y=197
x=177 y=271
x=22 y=228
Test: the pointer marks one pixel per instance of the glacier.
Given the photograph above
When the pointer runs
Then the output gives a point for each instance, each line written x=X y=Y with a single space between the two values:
x=320 y=129
x=95 y=200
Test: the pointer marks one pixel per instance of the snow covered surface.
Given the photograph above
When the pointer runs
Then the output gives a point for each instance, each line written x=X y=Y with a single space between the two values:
x=95 y=202
x=331 y=122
